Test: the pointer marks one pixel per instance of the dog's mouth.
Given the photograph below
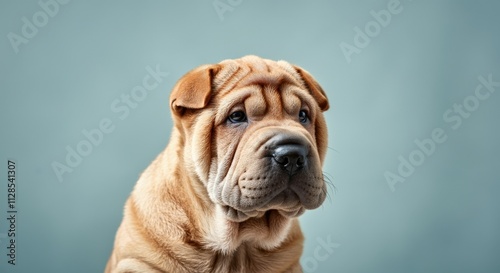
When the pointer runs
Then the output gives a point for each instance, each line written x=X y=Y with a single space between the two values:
x=254 y=195
x=236 y=215
x=287 y=203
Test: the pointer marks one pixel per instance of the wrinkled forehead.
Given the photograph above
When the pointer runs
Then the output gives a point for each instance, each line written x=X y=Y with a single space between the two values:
x=262 y=86
x=254 y=71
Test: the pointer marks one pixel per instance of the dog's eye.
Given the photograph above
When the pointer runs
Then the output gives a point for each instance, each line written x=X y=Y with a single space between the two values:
x=238 y=116
x=303 y=116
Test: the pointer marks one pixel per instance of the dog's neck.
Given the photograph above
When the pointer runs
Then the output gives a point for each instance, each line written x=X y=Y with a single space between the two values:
x=267 y=232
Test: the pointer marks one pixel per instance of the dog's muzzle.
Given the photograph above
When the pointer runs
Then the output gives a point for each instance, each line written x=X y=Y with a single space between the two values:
x=284 y=175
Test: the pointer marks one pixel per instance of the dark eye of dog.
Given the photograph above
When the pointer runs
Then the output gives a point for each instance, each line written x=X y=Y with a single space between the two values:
x=303 y=116
x=238 y=116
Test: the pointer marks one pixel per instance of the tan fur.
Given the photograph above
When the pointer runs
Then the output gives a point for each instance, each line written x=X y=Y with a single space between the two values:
x=182 y=215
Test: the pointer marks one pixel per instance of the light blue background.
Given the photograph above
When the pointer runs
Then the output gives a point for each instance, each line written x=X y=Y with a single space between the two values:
x=444 y=218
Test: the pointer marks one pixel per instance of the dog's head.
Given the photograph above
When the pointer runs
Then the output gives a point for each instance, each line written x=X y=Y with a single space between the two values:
x=254 y=135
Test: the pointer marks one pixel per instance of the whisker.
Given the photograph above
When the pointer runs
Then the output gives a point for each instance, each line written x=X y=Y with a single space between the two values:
x=331 y=148
x=328 y=179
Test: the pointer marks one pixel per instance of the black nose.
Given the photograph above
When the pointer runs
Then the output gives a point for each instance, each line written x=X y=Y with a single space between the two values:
x=291 y=157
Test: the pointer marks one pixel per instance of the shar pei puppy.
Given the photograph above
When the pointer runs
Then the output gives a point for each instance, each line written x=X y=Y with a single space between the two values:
x=244 y=161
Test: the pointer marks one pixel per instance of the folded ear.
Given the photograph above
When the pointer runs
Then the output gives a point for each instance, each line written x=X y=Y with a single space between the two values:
x=314 y=88
x=194 y=89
